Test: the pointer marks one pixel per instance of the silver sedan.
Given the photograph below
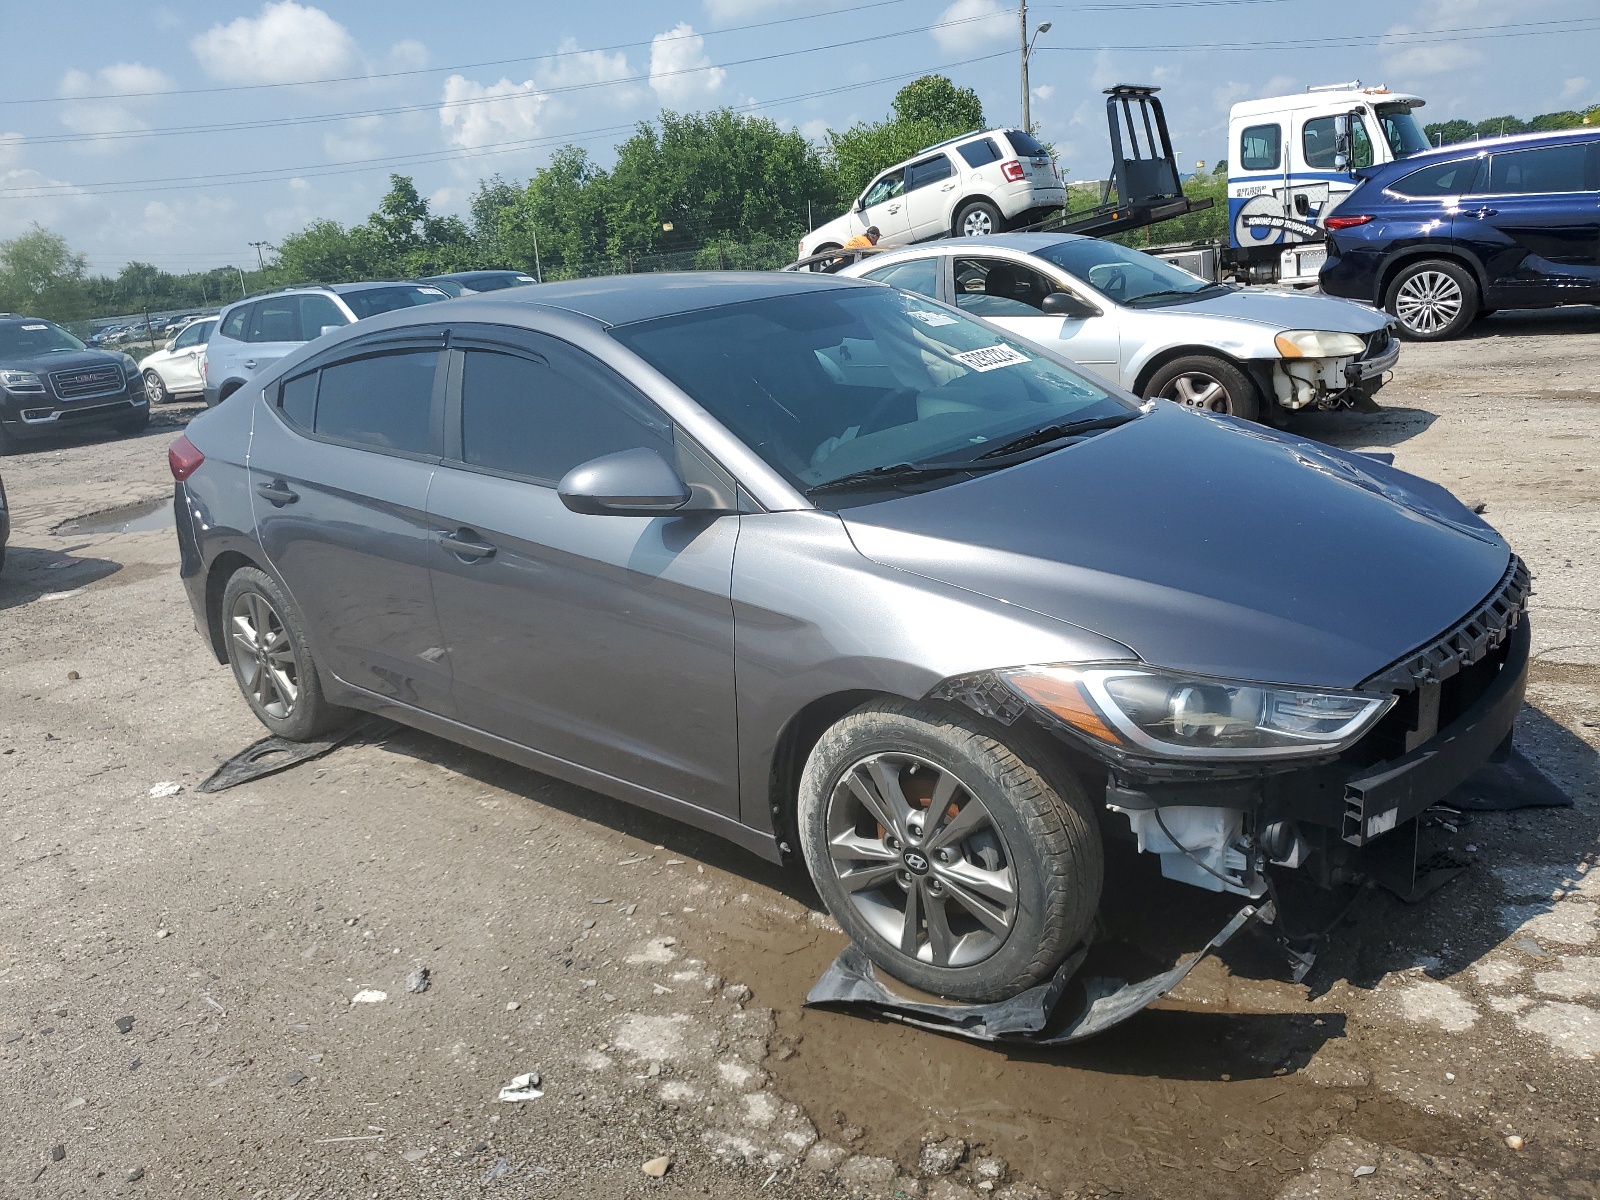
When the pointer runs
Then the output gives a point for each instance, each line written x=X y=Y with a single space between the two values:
x=1154 y=328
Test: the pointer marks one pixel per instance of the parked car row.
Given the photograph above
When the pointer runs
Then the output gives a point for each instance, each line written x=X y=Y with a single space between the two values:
x=986 y=611
x=49 y=380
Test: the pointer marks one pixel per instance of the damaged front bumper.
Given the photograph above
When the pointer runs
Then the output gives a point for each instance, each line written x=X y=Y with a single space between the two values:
x=1328 y=383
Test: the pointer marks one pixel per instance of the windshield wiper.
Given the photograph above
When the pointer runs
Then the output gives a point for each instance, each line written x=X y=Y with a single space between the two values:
x=891 y=474
x=1055 y=433
x=1168 y=293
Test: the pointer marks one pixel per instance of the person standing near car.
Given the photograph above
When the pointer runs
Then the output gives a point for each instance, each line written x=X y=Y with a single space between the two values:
x=864 y=241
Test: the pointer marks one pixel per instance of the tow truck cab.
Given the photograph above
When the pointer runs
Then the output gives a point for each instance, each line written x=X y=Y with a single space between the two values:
x=1289 y=165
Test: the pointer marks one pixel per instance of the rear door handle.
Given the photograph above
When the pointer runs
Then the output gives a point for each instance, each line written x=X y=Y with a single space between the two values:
x=1486 y=212
x=465 y=547
x=277 y=493
x=250 y=364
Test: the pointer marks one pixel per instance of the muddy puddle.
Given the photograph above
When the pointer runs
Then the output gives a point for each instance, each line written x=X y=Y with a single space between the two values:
x=129 y=518
x=1197 y=1097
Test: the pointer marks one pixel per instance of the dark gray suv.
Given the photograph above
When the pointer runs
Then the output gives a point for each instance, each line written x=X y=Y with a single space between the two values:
x=50 y=380
x=846 y=576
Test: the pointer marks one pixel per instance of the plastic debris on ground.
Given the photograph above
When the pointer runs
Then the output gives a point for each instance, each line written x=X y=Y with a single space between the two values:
x=522 y=1087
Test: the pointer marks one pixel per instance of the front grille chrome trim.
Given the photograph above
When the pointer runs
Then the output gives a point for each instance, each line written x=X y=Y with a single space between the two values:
x=82 y=382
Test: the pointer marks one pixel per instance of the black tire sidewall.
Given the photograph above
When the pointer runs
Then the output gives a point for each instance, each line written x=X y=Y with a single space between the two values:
x=1049 y=922
x=1244 y=398
x=1470 y=299
x=995 y=218
x=155 y=388
x=312 y=714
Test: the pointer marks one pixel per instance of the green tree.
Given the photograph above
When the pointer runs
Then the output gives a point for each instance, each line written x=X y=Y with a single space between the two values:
x=927 y=110
x=559 y=222
x=1448 y=133
x=1556 y=120
x=41 y=276
x=706 y=175
x=325 y=252
x=1496 y=126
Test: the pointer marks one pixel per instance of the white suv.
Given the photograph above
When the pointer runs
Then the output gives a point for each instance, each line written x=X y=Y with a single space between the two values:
x=970 y=186
x=257 y=331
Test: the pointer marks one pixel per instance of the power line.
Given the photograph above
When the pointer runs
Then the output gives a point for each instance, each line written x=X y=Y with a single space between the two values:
x=440 y=106
x=499 y=62
x=311 y=171
x=1411 y=38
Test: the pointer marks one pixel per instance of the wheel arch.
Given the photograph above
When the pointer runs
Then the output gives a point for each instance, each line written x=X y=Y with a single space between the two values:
x=1172 y=353
x=222 y=569
x=229 y=388
x=796 y=740
x=1401 y=259
x=969 y=198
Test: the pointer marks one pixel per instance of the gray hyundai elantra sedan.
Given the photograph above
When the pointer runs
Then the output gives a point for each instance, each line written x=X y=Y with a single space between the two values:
x=846 y=576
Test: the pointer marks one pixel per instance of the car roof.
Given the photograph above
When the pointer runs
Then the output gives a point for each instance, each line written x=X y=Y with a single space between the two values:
x=624 y=299
x=463 y=276
x=1512 y=141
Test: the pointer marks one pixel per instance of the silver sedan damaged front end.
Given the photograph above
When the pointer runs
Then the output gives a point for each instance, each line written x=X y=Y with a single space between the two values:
x=1325 y=370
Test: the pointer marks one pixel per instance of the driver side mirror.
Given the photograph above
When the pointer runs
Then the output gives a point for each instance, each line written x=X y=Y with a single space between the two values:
x=1065 y=304
x=860 y=204
x=171 y=342
x=629 y=483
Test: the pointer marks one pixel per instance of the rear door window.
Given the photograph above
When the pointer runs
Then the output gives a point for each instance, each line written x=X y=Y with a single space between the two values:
x=1441 y=179
x=980 y=153
x=1261 y=148
x=929 y=170
x=369 y=302
x=276 y=319
x=921 y=275
x=540 y=415
x=386 y=401
x=1542 y=171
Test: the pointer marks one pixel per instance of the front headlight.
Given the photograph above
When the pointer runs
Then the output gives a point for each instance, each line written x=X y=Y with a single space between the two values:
x=1318 y=343
x=1162 y=714
x=21 y=381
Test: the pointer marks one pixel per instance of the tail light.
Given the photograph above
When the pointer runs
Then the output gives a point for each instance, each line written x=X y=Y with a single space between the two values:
x=1012 y=170
x=184 y=458
x=1345 y=222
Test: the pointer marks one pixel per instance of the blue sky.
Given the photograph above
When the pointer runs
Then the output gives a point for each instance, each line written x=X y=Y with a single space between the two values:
x=99 y=101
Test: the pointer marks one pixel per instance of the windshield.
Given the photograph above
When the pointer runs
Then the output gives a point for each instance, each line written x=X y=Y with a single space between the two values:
x=371 y=301
x=828 y=384
x=1400 y=129
x=1126 y=276
x=29 y=339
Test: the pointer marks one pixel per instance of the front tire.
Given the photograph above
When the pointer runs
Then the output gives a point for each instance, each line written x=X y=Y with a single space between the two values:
x=1434 y=300
x=271 y=661
x=1207 y=384
x=155 y=389
x=957 y=862
x=979 y=218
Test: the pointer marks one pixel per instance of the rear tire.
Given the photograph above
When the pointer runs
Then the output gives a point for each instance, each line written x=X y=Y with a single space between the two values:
x=1434 y=300
x=979 y=218
x=271 y=660
x=958 y=863
x=1207 y=384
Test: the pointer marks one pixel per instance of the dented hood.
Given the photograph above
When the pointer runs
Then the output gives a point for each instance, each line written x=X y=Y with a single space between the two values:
x=1207 y=544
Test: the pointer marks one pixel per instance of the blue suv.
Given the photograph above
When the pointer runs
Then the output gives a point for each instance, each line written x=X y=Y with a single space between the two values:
x=1445 y=237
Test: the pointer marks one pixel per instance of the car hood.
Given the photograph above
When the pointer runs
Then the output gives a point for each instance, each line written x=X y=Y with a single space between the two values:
x=1284 y=310
x=48 y=364
x=1207 y=544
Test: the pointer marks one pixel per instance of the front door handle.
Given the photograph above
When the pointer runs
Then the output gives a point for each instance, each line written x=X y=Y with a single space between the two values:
x=463 y=545
x=277 y=493
x=1486 y=212
x=250 y=364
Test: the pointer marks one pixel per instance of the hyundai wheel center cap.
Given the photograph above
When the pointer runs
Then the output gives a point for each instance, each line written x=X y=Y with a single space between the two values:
x=916 y=862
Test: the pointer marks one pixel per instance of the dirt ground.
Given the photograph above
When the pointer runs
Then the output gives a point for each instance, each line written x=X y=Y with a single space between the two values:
x=206 y=994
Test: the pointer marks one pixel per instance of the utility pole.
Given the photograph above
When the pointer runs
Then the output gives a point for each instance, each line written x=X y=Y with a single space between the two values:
x=243 y=291
x=1027 y=53
x=260 y=261
x=538 y=270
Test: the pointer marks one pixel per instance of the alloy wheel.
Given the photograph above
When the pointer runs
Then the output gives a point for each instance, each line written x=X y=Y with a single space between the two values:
x=1428 y=301
x=264 y=656
x=1194 y=389
x=154 y=388
x=922 y=860
x=977 y=223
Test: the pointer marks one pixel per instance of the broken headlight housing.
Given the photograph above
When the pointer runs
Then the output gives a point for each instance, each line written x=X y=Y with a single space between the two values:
x=1163 y=714
x=1318 y=343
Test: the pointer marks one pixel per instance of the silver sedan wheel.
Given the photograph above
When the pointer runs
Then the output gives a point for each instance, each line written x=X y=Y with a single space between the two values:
x=1428 y=301
x=922 y=860
x=977 y=223
x=1195 y=389
x=263 y=655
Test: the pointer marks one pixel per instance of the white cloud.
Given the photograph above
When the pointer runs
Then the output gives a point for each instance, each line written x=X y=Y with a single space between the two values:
x=300 y=185
x=1572 y=88
x=571 y=67
x=815 y=130
x=287 y=43
x=680 y=72
x=165 y=219
x=92 y=116
x=409 y=55
x=721 y=11
x=474 y=115
x=1043 y=92
x=969 y=22
x=10 y=148
x=353 y=139
x=1439 y=59
x=447 y=198
x=1225 y=94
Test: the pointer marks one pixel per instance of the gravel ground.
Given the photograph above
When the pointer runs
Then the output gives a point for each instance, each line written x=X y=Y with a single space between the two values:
x=214 y=994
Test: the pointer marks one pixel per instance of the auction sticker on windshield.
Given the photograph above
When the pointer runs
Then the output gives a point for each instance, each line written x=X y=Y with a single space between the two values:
x=990 y=358
x=932 y=318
